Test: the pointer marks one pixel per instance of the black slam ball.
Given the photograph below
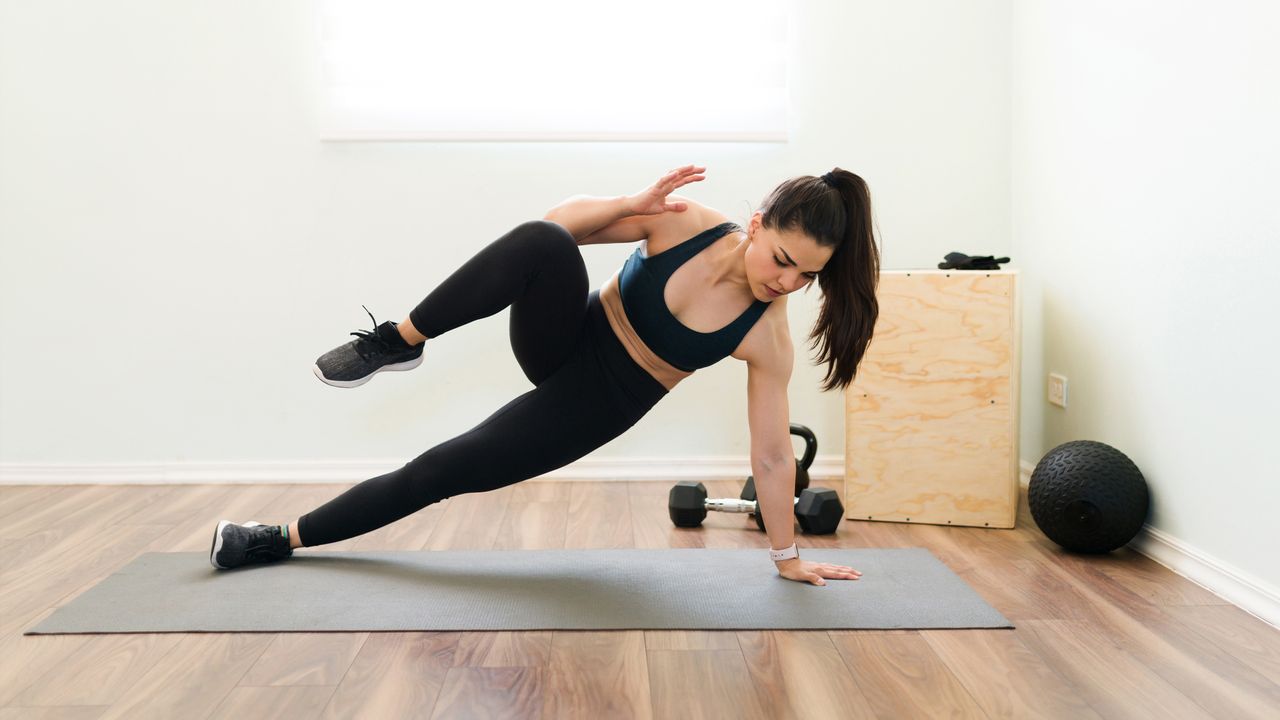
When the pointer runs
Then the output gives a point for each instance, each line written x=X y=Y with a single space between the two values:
x=1088 y=497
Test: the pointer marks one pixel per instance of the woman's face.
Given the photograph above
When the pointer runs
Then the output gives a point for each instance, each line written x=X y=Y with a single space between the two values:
x=781 y=261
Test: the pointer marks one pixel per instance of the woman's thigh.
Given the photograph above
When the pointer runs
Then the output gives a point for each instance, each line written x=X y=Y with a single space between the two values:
x=547 y=318
x=575 y=410
x=537 y=270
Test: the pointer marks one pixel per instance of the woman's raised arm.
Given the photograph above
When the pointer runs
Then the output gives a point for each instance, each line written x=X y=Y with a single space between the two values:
x=583 y=215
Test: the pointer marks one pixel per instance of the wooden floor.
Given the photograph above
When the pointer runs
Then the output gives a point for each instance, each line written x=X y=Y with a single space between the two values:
x=1114 y=637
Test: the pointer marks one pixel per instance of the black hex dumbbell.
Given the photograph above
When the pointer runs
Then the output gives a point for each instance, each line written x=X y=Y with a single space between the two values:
x=818 y=510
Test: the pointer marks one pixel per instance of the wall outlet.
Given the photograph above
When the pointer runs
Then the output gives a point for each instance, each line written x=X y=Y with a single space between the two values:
x=1057 y=390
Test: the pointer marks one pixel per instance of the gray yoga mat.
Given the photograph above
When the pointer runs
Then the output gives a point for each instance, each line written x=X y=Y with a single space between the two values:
x=676 y=589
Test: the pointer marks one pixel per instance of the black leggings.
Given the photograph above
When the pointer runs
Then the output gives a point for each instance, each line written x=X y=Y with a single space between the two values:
x=588 y=389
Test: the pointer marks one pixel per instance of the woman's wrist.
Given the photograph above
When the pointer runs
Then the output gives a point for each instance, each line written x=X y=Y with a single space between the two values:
x=627 y=202
x=786 y=554
x=785 y=565
x=612 y=210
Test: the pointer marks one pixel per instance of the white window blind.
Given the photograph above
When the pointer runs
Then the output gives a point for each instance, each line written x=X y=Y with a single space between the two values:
x=712 y=70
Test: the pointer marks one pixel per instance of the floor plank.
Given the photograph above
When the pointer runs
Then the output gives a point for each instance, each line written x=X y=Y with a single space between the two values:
x=72 y=712
x=25 y=659
x=305 y=659
x=691 y=640
x=536 y=525
x=470 y=522
x=100 y=670
x=703 y=684
x=18 y=500
x=1248 y=639
x=1006 y=678
x=1148 y=579
x=599 y=516
x=1109 y=679
x=395 y=675
x=192 y=679
x=299 y=701
x=801 y=675
x=900 y=675
x=27 y=594
x=597 y=675
x=510 y=692
x=503 y=649
x=1213 y=678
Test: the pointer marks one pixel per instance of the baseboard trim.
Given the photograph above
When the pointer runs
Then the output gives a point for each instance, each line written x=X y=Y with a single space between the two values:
x=1222 y=579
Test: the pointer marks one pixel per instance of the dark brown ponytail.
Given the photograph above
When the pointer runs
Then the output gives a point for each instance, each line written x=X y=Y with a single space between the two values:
x=835 y=210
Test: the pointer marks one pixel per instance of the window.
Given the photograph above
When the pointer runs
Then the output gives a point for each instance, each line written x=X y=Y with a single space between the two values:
x=711 y=70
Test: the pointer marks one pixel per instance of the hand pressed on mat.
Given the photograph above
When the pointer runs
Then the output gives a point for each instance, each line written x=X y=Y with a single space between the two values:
x=812 y=572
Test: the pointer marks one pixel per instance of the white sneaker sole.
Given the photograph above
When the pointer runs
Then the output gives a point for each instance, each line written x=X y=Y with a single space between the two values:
x=217 y=541
x=407 y=365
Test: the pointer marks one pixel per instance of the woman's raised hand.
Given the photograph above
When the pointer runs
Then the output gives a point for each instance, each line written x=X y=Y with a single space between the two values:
x=653 y=201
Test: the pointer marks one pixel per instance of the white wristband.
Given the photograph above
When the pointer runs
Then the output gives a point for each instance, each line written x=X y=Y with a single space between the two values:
x=784 y=554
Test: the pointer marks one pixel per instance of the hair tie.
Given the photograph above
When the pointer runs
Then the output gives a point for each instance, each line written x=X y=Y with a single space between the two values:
x=829 y=179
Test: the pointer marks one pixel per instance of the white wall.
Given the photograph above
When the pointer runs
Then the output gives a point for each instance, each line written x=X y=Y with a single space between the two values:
x=1146 y=216
x=178 y=247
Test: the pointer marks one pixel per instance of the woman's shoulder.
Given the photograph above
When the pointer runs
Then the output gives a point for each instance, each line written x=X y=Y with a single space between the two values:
x=769 y=340
x=672 y=228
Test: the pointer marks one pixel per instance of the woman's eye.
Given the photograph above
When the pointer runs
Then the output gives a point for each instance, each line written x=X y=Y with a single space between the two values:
x=805 y=276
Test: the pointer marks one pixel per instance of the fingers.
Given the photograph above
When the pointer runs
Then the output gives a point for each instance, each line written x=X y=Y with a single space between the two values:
x=681 y=176
x=838 y=572
x=686 y=170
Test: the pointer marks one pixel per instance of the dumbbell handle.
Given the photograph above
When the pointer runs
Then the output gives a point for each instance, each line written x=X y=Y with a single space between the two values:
x=734 y=505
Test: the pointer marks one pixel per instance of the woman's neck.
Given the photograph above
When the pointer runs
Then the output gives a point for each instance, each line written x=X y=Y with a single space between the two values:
x=730 y=268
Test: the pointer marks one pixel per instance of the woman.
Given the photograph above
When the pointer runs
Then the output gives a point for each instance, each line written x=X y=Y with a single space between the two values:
x=700 y=289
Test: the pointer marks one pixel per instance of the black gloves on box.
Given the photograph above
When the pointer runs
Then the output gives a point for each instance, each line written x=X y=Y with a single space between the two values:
x=960 y=261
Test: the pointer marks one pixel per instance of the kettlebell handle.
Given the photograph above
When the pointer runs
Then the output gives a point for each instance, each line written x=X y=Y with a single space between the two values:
x=810 y=444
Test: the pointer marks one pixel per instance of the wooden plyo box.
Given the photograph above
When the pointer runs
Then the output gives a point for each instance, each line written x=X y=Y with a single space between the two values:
x=931 y=419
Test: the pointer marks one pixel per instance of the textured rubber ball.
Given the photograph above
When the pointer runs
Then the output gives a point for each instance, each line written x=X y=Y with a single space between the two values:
x=1088 y=497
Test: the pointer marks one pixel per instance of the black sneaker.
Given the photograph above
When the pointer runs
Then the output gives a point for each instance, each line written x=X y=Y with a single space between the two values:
x=235 y=545
x=370 y=353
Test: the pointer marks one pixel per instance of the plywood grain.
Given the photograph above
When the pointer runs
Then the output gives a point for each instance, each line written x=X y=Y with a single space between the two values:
x=932 y=416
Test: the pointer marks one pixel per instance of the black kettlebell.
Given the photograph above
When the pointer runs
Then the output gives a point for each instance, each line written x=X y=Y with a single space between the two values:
x=802 y=464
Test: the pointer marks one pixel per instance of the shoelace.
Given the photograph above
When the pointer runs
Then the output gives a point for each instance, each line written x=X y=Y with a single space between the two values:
x=262 y=552
x=368 y=343
x=267 y=550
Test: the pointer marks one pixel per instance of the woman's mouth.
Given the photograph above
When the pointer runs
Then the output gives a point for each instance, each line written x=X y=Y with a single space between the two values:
x=772 y=292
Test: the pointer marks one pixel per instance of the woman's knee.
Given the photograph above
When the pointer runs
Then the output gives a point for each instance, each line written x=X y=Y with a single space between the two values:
x=547 y=235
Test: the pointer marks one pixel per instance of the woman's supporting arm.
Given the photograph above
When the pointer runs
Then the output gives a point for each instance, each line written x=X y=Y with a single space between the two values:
x=772 y=462
x=775 y=493
x=773 y=465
